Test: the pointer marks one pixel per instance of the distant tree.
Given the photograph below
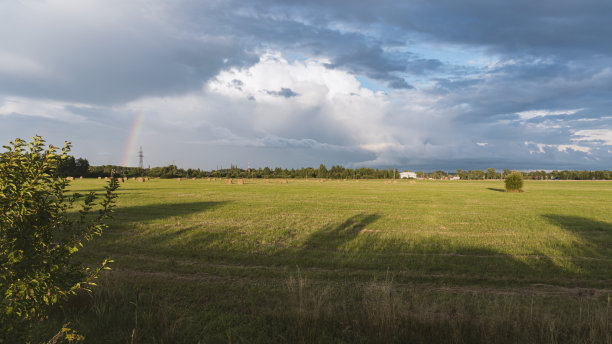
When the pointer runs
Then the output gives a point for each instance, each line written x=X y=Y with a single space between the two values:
x=37 y=237
x=491 y=174
x=322 y=171
x=66 y=167
x=438 y=174
x=514 y=182
x=73 y=167
x=476 y=174
x=81 y=167
x=462 y=174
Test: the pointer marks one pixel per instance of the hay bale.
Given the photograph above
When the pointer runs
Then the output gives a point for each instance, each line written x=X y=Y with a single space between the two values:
x=193 y=179
x=240 y=181
x=81 y=177
x=228 y=181
x=179 y=179
x=99 y=177
x=106 y=179
x=208 y=179
x=140 y=179
x=395 y=182
x=267 y=181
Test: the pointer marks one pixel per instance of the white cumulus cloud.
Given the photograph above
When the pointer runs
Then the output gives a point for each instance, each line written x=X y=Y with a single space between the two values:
x=603 y=136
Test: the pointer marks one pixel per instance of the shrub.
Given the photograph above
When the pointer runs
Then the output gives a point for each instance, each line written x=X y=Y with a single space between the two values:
x=38 y=238
x=514 y=182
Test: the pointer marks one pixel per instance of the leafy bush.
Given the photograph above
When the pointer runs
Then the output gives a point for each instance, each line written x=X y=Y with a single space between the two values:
x=38 y=238
x=514 y=182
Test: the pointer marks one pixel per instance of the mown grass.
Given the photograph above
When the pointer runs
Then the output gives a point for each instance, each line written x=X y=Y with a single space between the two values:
x=345 y=261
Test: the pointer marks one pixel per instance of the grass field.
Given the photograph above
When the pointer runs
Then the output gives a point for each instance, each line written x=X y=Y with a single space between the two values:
x=345 y=261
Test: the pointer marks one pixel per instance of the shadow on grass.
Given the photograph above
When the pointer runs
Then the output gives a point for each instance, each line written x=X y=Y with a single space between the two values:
x=333 y=236
x=343 y=251
x=355 y=244
x=596 y=236
x=578 y=224
x=496 y=189
x=352 y=245
x=146 y=213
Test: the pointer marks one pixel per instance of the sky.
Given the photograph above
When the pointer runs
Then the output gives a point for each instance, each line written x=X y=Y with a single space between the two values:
x=417 y=85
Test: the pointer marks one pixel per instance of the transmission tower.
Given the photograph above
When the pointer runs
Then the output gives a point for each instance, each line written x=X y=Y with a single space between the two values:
x=140 y=156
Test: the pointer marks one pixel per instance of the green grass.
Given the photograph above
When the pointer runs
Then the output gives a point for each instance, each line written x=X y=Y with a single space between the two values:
x=345 y=261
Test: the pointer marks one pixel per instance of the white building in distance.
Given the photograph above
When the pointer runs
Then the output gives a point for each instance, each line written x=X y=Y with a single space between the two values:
x=408 y=175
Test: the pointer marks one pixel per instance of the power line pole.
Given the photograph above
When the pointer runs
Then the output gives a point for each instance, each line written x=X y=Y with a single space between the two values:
x=140 y=157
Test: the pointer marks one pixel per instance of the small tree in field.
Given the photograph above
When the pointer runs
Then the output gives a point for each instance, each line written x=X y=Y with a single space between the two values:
x=38 y=238
x=514 y=182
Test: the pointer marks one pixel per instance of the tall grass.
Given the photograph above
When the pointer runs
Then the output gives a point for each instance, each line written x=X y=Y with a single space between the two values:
x=302 y=310
x=380 y=312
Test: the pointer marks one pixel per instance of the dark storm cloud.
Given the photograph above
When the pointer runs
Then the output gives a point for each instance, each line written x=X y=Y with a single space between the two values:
x=284 y=92
x=107 y=60
x=565 y=27
x=423 y=66
x=399 y=83
x=376 y=64
x=521 y=86
x=174 y=49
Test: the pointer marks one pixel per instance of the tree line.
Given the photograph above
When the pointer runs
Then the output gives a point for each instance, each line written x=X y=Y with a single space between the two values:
x=172 y=171
x=80 y=167
x=491 y=173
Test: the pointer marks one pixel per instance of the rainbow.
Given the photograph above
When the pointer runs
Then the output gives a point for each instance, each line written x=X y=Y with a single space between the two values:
x=128 y=153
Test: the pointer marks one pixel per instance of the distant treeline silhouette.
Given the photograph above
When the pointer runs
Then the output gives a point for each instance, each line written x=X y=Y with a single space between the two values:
x=172 y=171
x=80 y=167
